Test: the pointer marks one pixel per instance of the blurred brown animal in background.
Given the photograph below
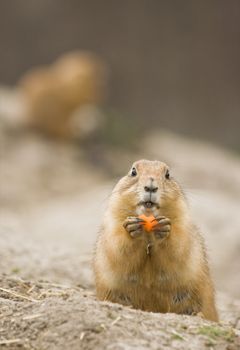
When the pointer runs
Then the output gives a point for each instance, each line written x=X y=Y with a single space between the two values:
x=54 y=94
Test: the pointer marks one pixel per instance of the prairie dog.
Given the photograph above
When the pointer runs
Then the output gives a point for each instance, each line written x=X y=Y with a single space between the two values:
x=54 y=95
x=165 y=270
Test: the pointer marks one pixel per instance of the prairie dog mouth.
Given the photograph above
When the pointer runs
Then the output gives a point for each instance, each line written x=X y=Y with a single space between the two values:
x=148 y=204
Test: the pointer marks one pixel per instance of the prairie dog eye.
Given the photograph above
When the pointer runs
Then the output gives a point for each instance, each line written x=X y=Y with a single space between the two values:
x=167 y=175
x=133 y=172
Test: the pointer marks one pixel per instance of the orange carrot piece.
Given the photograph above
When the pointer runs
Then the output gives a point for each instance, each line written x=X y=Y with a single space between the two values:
x=149 y=222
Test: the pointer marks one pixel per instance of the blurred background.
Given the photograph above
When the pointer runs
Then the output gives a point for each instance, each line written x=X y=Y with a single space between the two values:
x=172 y=64
x=86 y=88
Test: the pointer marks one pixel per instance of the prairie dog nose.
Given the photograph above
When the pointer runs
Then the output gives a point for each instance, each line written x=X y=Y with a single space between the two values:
x=151 y=186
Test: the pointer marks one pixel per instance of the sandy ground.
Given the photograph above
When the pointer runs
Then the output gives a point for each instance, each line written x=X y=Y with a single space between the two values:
x=52 y=201
x=57 y=317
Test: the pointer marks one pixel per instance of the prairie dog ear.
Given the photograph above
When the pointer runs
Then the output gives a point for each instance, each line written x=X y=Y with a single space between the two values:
x=133 y=172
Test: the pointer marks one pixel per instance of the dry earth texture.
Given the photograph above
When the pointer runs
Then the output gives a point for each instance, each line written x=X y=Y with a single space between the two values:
x=44 y=315
x=51 y=202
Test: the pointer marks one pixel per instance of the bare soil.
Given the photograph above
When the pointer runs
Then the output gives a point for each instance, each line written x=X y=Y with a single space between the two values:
x=44 y=315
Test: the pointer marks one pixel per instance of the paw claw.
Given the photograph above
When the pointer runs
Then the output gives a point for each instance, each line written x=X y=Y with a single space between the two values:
x=163 y=228
x=133 y=226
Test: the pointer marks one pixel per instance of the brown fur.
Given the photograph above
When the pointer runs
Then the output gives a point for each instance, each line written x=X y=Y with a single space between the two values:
x=174 y=277
x=54 y=93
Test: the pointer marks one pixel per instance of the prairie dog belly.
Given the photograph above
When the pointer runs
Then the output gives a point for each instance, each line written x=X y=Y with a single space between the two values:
x=148 y=288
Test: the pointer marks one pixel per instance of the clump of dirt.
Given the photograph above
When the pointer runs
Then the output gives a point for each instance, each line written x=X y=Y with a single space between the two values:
x=44 y=315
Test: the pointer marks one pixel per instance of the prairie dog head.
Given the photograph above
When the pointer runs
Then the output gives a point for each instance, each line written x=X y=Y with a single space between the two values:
x=148 y=187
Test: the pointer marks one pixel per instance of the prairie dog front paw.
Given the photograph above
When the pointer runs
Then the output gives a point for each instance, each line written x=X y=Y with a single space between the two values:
x=133 y=225
x=162 y=228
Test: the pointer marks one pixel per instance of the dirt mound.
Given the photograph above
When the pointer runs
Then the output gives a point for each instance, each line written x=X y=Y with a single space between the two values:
x=43 y=315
